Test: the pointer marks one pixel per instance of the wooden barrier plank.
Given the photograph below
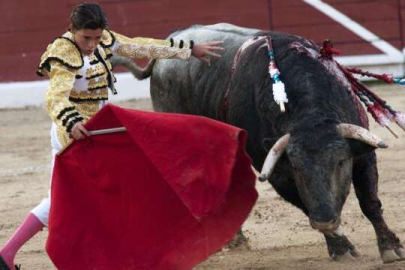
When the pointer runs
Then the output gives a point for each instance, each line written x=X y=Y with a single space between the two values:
x=28 y=26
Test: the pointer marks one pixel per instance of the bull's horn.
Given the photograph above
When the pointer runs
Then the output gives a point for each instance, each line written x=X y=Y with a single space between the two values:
x=356 y=132
x=274 y=154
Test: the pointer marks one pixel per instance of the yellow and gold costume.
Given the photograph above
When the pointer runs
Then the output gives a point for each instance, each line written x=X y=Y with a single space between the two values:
x=79 y=84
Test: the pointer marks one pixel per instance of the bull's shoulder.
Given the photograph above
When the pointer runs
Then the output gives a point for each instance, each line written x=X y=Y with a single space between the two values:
x=230 y=28
x=221 y=32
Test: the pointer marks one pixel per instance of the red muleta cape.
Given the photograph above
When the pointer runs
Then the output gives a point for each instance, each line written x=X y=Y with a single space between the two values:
x=164 y=195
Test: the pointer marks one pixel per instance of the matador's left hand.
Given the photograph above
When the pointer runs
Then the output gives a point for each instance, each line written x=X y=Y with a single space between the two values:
x=201 y=50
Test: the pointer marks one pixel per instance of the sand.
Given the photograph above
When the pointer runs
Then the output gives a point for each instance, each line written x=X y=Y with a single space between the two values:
x=280 y=236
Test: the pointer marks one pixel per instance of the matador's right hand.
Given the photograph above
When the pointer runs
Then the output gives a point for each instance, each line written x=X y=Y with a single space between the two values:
x=79 y=132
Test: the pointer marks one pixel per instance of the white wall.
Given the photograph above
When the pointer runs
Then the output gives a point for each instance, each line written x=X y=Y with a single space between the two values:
x=22 y=94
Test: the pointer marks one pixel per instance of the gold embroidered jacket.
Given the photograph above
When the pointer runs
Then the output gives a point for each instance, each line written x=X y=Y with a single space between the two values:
x=78 y=84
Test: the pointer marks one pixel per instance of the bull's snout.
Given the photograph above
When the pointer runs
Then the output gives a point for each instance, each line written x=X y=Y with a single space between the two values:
x=325 y=227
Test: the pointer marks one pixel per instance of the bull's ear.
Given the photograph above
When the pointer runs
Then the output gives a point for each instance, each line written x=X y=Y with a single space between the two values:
x=267 y=143
x=359 y=148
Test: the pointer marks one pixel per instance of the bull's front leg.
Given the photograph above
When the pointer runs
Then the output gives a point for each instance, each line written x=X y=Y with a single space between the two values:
x=365 y=181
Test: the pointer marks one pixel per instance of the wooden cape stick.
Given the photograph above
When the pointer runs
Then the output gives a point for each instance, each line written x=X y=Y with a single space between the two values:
x=95 y=132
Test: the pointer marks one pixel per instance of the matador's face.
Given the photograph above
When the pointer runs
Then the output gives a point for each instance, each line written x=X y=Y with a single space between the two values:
x=87 y=39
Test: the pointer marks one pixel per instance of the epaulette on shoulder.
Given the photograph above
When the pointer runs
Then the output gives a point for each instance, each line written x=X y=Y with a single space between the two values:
x=64 y=51
x=107 y=39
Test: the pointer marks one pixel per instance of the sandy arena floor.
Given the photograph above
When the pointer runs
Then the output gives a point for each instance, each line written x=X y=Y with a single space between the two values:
x=280 y=236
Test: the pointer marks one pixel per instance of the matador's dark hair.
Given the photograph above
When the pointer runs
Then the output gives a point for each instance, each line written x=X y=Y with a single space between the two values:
x=88 y=16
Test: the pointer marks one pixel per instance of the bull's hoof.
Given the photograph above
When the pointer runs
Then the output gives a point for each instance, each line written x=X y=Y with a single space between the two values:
x=340 y=248
x=393 y=255
x=348 y=256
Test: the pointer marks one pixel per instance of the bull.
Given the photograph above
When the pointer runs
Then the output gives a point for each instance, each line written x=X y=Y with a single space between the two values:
x=314 y=151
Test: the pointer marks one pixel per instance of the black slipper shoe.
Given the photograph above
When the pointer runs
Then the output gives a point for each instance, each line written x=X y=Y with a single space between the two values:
x=3 y=265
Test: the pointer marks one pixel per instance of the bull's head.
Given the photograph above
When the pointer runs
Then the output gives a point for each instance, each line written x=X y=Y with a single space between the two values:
x=322 y=173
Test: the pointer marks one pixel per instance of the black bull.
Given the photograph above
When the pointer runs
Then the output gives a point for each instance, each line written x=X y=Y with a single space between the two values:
x=318 y=160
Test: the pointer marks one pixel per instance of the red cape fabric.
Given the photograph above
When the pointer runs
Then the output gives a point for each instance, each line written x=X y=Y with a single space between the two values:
x=166 y=194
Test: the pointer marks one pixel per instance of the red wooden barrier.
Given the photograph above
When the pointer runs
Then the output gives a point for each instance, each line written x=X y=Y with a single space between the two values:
x=26 y=27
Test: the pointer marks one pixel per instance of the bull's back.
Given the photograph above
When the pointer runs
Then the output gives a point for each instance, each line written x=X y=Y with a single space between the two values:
x=191 y=86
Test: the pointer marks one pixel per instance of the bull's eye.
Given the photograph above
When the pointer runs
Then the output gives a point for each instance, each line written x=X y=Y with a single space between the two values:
x=341 y=163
